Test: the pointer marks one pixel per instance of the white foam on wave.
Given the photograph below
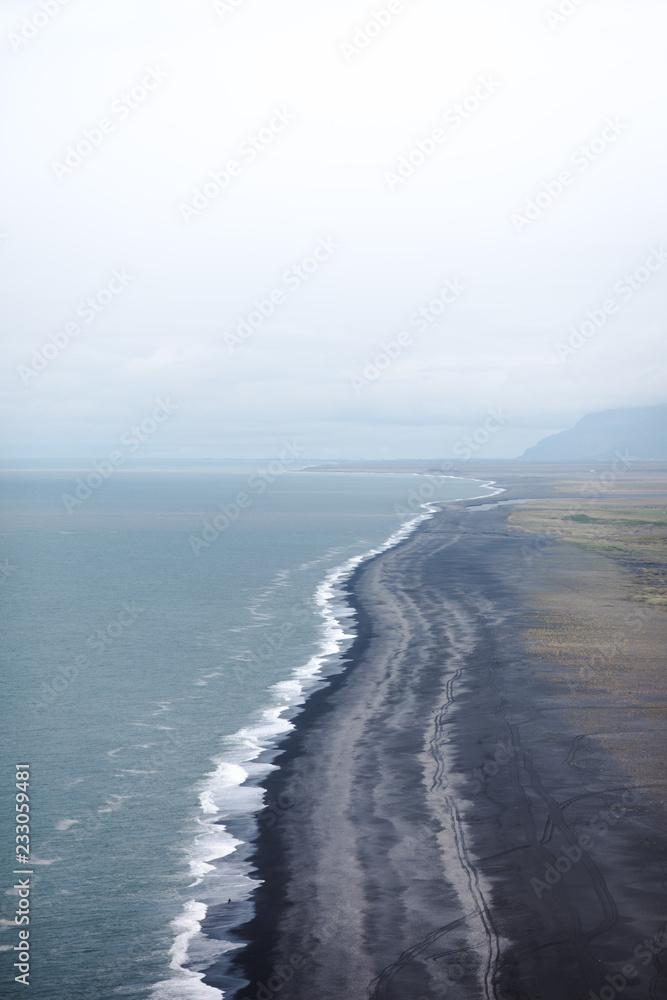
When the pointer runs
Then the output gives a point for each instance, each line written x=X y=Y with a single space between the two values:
x=281 y=579
x=65 y=824
x=185 y=985
x=224 y=793
x=212 y=844
x=214 y=841
x=227 y=776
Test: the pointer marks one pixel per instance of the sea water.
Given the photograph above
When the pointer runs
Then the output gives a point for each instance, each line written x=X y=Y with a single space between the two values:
x=159 y=636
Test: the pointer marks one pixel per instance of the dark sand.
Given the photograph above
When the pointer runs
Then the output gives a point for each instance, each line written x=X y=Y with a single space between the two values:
x=476 y=807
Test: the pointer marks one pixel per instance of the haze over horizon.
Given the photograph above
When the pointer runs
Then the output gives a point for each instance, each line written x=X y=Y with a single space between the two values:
x=447 y=190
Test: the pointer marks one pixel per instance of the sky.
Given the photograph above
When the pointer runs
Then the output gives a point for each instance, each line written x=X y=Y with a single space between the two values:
x=365 y=230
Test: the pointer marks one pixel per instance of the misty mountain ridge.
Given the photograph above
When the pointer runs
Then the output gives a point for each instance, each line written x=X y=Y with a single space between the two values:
x=640 y=432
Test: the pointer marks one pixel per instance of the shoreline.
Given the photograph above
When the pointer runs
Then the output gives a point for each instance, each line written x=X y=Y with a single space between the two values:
x=336 y=586
x=303 y=928
x=237 y=834
x=269 y=853
x=218 y=922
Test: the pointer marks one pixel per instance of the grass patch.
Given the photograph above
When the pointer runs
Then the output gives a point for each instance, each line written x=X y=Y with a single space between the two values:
x=613 y=531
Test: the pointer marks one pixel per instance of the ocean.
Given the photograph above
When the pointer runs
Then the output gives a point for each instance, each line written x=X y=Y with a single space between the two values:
x=159 y=634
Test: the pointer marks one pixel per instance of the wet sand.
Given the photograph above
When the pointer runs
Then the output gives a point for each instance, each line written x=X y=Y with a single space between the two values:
x=475 y=808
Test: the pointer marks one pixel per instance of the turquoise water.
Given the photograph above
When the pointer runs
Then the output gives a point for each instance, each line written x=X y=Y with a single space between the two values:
x=145 y=677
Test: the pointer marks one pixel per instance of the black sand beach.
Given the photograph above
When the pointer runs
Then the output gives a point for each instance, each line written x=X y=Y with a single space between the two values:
x=475 y=808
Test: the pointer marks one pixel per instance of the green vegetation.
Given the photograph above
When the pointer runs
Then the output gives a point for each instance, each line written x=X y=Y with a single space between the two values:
x=639 y=543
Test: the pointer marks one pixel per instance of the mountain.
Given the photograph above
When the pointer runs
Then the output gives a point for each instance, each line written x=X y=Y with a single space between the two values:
x=641 y=431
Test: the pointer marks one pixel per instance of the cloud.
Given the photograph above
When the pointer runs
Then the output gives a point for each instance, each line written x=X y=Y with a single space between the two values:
x=324 y=177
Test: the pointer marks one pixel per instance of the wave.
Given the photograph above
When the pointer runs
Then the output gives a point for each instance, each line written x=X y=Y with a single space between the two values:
x=225 y=793
x=185 y=985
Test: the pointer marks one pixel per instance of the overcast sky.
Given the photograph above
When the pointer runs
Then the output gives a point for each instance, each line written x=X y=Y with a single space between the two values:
x=407 y=142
